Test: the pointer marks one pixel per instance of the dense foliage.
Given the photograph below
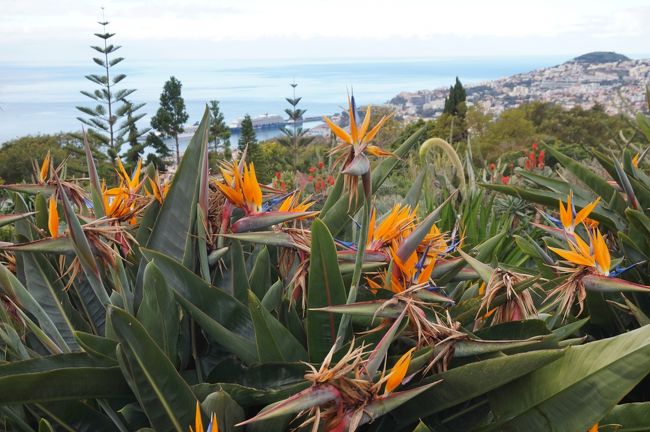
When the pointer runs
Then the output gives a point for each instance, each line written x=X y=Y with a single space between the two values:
x=480 y=300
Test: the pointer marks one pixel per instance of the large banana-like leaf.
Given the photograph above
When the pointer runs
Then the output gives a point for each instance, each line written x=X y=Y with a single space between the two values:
x=467 y=382
x=83 y=250
x=44 y=284
x=222 y=317
x=260 y=276
x=274 y=342
x=576 y=391
x=172 y=231
x=228 y=412
x=76 y=416
x=49 y=379
x=158 y=302
x=593 y=181
x=165 y=397
x=50 y=325
x=325 y=289
x=630 y=417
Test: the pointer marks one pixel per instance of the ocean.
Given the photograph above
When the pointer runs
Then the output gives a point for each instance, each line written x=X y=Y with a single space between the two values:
x=42 y=98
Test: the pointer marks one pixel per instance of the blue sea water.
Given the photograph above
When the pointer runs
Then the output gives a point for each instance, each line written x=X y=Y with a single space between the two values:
x=42 y=98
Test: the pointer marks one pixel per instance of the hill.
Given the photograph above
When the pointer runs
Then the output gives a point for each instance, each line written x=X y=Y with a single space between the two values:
x=601 y=57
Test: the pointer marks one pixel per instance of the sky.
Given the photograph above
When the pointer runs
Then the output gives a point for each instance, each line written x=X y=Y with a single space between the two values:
x=60 y=31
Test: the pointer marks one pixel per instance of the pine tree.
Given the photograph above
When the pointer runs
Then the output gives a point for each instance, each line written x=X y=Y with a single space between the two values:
x=102 y=119
x=161 y=151
x=296 y=137
x=218 y=133
x=247 y=137
x=171 y=116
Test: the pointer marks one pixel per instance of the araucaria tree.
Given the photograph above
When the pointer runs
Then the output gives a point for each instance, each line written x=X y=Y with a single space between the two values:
x=171 y=116
x=295 y=137
x=218 y=133
x=102 y=119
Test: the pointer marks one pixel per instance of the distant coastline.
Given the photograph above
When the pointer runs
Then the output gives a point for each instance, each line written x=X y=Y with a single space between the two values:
x=611 y=80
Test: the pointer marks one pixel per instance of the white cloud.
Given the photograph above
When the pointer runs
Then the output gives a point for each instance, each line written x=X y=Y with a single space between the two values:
x=33 y=29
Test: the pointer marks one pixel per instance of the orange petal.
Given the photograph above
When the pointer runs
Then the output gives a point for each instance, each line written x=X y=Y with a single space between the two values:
x=198 y=423
x=397 y=374
x=366 y=123
x=377 y=151
x=375 y=130
x=565 y=215
x=601 y=253
x=338 y=131
x=45 y=168
x=582 y=214
x=53 y=218
x=573 y=257
x=214 y=425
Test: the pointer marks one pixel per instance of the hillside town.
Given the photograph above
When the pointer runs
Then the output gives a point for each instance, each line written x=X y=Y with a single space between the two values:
x=619 y=86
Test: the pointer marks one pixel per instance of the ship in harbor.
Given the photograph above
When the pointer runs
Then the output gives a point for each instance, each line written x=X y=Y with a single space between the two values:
x=270 y=121
x=262 y=122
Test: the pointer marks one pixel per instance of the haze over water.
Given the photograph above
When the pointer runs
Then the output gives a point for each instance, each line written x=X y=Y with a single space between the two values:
x=42 y=98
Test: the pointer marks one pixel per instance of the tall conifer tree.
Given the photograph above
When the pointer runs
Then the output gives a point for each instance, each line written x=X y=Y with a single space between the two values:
x=102 y=120
x=295 y=137
x=171 y=116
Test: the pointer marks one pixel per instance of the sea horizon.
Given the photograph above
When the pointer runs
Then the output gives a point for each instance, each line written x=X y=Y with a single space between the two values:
x=41 y=99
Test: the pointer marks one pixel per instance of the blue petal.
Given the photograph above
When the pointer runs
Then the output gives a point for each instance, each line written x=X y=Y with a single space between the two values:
x=620 y=270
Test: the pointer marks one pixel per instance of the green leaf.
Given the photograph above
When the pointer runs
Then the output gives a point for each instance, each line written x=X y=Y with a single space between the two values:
x=49 y=379
x=83 y=251
x=158 y=311
x=173 y=231
x=553 y=397
x=222 y=317
x=76 y=416
x=166 y=398
x=325 y=289
x=25 y=299
x=228 y=412
x=467 y=382
x=173 y=228
x=593 y=181
x=238 y=278
x=6 y=219
x=274 y=342
x=631 y=417
x=260 y=277
x=413 y=195
x=98 y=347
x=44 y=426
x=45 y=285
